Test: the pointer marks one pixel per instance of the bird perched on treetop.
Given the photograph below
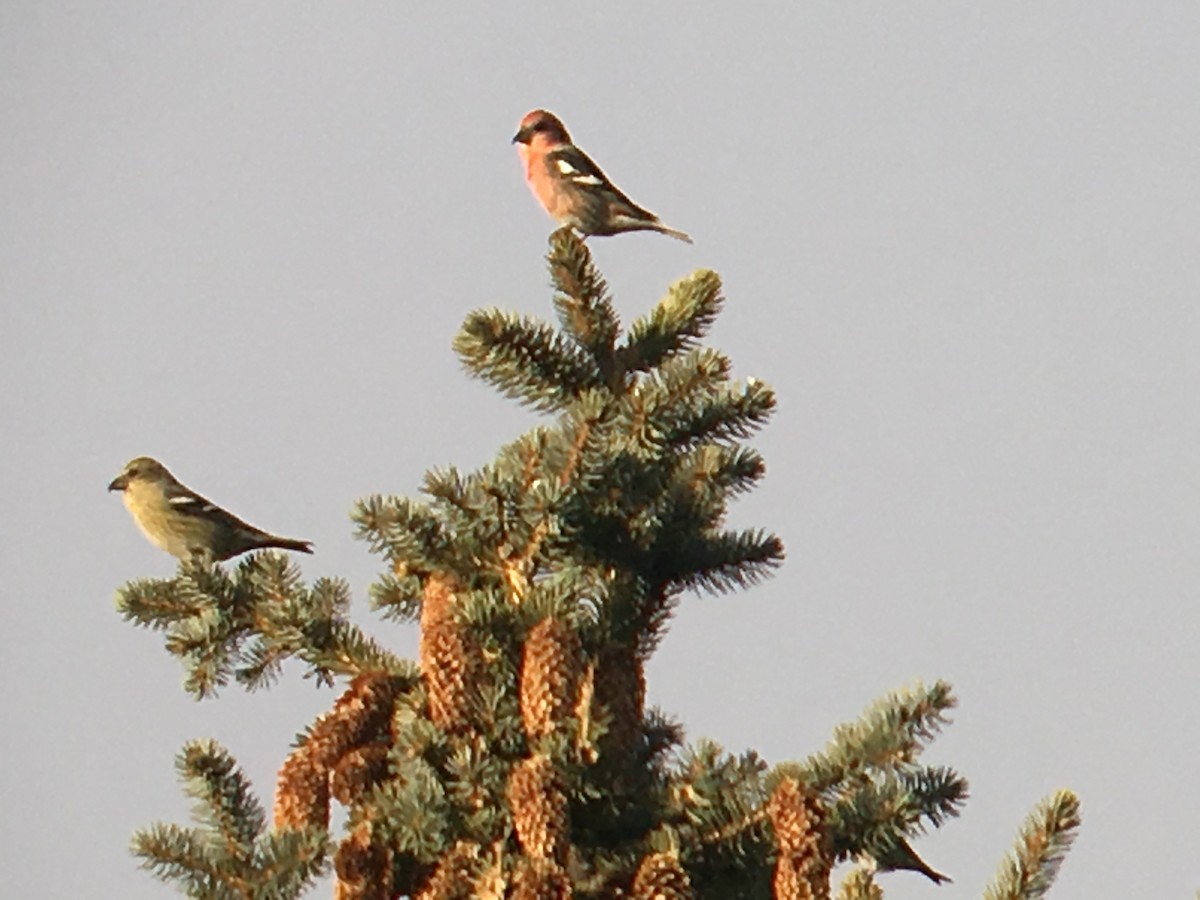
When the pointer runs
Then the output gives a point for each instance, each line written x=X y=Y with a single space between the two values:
x=182 y=522
x=572 y=188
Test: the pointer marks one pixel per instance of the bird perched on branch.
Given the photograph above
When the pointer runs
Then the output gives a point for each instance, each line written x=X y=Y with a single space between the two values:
x=899 y=856
x=182 y=522
x=572 y=188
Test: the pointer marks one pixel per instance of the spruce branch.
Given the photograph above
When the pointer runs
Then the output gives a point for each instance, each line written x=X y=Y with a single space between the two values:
x=713 y=473
x=229 y=854
x=404 y=531
x=1042 y=845
x=859 y=884
x=876 y=819
x=876 y=793
x=890 y=735
x=690 y=399
x=679 y=320
x=290 y=862
x=583 y=304
x=717 y=564
x=582 y=431
x=155 y=603
x=450 y=491
x=525 y=359
x=224 y=802
x=412 y=811
x=180 y=855
x=719 y=806
x=244 y=624
x=716 y=793
x=730 y=413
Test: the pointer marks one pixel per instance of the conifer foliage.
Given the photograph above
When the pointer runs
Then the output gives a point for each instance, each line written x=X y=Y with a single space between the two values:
x=517 y=758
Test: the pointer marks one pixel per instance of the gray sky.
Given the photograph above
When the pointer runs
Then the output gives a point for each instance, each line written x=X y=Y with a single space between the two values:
x=960 y=243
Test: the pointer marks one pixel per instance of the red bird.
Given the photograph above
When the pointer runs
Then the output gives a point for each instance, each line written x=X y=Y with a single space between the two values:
x=572 y=188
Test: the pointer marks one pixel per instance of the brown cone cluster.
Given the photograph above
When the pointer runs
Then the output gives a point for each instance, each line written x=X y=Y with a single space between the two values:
x=447 y=665
x=540 y=879
x=357 y=718
x=455 y=876
x=620 y=692
x=550 y=670
x=661 y=877
x=363 y=867
x=359 y=770
x=302 y=791
x=539 y=809
x=803 y=867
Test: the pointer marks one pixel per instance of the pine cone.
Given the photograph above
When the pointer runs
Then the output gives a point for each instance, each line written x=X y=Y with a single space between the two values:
x=803 y=867
x=447 y=665
x=302 y=791
x=661 y=877
x=620 y=691
x=539 y=809
x=540 y=879
x=359 y=715
x=358 y=771
x=550 y=671
x=363 y=867
x=789 y=884
x=362 y=712
x=455 y=876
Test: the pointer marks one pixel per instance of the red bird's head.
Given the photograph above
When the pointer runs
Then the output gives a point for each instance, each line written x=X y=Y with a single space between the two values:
x=541 y=125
